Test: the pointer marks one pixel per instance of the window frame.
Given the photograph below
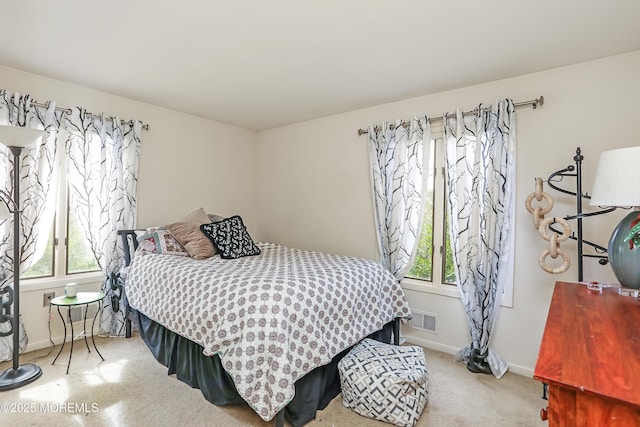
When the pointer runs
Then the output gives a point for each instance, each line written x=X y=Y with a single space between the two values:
x=436 y=285
x=60 y=275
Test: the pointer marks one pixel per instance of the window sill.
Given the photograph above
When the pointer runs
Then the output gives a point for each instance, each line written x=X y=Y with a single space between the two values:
x=448 y=290
x=59 y=282
x=430 y=287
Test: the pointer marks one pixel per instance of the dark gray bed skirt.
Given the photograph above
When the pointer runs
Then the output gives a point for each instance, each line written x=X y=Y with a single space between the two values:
x=184 y=358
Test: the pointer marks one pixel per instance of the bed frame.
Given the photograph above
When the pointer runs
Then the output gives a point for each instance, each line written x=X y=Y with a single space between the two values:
x=171 y=349
x=129 y=246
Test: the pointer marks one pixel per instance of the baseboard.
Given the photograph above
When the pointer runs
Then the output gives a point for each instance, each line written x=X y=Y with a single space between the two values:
x=57 y=339
x=433 y=345
x=37 y=345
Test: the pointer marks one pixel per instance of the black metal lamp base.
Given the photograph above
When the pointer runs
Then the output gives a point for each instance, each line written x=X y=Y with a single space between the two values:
x=23 y=375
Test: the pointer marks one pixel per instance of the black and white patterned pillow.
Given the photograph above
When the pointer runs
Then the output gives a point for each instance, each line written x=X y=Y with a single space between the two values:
x=230 y=237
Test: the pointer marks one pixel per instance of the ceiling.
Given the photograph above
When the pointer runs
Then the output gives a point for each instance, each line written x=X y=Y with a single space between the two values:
x=262 y=64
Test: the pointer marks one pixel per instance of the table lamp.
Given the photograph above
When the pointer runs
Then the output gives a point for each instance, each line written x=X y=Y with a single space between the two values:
x=15 y=138
x=617 y=183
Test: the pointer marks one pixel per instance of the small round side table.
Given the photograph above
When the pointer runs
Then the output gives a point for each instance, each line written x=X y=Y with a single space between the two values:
x=82 y=298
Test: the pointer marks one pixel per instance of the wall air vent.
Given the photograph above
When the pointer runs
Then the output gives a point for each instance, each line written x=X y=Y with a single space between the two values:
x=76 y=314
x=424 y=321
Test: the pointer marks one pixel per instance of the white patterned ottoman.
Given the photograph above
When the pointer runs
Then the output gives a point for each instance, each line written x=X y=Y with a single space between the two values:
x=385 y=382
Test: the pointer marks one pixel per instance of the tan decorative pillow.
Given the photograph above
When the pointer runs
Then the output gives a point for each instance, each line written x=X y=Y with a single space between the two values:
x=197 y=217
x=215 y=218
x=187 y=232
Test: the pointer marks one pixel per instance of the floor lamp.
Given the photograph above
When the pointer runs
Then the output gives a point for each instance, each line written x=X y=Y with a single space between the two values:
x=15 y=138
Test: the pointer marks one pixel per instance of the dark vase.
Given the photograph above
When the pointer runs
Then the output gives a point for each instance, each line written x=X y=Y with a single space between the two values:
x=625 y=262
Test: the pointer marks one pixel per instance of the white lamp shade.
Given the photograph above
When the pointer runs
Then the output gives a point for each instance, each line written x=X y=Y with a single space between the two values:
x=16 y=136
x=617 y=181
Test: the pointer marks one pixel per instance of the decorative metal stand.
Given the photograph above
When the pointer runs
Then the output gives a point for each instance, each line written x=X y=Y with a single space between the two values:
x=571 y=171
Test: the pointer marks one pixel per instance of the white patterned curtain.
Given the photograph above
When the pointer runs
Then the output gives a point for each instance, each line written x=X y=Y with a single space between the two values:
x=38 y=178
x=480 y=158
x=103 y=157
x=398 y=156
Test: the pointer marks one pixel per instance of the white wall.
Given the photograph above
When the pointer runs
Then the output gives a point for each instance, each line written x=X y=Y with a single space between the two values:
x=314 y=192
x=307 y=185
x=186 y=162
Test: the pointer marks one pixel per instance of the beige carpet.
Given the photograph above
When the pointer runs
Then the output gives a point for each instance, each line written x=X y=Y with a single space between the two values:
x=131 y=389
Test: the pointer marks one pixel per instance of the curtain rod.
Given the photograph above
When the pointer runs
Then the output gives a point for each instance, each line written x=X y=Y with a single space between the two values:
x=68 y=111
x=534 y=103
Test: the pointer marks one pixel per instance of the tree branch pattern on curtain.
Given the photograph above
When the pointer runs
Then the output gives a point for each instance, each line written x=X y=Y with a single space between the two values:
x=397 y=156
x=103 y=157
x=38 y=178
x=480 y=159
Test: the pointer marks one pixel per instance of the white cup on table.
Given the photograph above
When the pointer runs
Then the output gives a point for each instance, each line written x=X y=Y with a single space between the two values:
x=71 y=290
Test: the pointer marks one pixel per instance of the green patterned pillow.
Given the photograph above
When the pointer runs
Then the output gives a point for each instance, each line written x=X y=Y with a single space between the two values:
x=160 y=241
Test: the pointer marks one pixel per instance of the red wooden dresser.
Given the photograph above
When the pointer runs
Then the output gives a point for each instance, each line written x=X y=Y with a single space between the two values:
x=590 y=358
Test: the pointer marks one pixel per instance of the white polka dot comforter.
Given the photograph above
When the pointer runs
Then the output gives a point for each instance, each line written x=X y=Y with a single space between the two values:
x=271 y=318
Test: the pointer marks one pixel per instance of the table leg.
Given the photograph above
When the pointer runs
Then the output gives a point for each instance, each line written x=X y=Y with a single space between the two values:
x=65 y=335
x=84 y=327
x=72 y=335
x=92 y=324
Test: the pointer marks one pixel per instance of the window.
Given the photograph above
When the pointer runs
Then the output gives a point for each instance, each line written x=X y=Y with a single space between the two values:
x=80 y=258
x=68 y=252
x=434 y=260
x=433 y=264
x=44 y=266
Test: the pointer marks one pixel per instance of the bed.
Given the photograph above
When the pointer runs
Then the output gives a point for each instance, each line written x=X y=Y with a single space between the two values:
x=267 y=330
